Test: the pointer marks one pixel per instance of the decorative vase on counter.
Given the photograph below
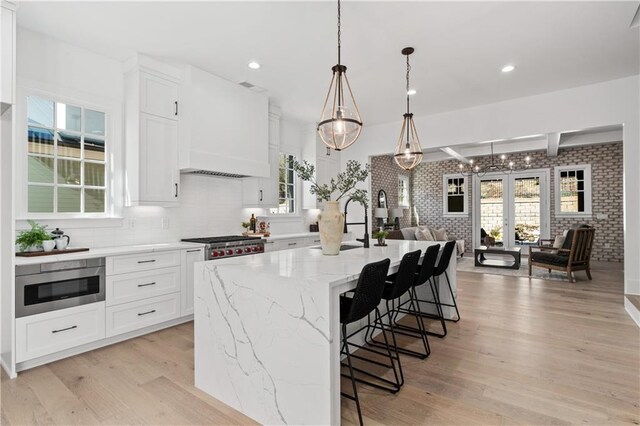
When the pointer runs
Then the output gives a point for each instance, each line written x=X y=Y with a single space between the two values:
x=331 y=228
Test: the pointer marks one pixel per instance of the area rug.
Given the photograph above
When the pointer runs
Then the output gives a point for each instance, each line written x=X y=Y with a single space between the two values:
x=466 y=264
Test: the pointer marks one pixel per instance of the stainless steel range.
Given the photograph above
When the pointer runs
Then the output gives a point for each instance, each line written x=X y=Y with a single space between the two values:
x=229 y=246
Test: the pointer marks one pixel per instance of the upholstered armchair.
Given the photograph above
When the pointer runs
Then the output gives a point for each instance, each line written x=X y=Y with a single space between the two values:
x=573 y=255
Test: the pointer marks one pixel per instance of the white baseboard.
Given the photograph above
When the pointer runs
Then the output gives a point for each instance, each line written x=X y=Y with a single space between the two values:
x=21 y=366
x=11 y=373
x=633 y=312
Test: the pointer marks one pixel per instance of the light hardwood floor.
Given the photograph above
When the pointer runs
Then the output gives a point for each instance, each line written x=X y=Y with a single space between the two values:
x=525 y=352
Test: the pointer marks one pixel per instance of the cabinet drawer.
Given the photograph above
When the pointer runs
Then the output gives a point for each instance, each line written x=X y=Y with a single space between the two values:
x=313 y=241
x=142 y=262
x=290 y=243
x=123 y=288
x=50 y=332
x=142 y=313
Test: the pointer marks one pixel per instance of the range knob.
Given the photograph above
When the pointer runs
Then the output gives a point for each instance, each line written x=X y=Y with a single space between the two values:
x=238 y=251
x=229 y=252
x=220 y=252
x=214 y=253
x=260 y=248
x=247 y=249
x=254 y=248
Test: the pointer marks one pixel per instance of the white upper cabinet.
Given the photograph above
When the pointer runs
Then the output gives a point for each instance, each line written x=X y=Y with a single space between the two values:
x=158 y=96
x=327 y=165
x=151 y=140
x=7 y=52
x=224 y=126
x=263 y=192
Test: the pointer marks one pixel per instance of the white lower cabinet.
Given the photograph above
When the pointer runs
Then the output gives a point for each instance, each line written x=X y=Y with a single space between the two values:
x=44 y=334
x=142 y=262
x=134 y=286
x=189 y=257
x=142 y=313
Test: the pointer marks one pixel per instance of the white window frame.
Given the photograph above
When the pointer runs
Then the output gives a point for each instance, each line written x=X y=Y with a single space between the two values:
x=405 y=184
x=586 y=168
x=295 y=211
x=445 y=195
x=112 y=215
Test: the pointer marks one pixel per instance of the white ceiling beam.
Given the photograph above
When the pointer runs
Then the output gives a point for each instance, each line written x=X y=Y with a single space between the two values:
x=553 y=143
x=456 y=155
x=579 y=139
x=635 y=22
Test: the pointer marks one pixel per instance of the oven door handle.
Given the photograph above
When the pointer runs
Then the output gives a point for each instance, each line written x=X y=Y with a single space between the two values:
x=64 y=329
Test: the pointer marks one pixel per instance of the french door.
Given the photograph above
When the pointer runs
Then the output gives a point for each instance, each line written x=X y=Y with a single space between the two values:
x=511 y=208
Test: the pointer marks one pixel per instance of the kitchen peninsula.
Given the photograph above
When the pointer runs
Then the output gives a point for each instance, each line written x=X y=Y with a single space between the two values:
x=267 y=330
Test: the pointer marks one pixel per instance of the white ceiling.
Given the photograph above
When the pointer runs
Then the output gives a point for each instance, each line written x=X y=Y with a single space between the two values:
x=460 y=46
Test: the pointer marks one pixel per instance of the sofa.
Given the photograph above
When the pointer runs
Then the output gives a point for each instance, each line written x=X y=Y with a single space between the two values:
x=425 y=234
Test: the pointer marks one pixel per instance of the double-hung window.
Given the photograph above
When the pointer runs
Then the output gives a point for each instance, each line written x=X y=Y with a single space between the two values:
x=66 y=158
x=573 y=190
x=286 y=186
x=454 y=195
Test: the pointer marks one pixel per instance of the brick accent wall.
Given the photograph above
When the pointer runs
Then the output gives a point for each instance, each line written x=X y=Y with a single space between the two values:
x=606 y=181
x=384 y=175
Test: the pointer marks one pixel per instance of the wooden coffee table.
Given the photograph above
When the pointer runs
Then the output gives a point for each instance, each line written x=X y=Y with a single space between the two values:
x=481 y=260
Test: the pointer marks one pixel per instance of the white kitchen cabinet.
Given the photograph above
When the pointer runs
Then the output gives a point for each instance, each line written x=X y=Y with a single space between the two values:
x=151 y=134
x=142 y=313
x=327 y=164
x=142 y=262
x=226 y=126
x=7 y=53
x=189 y=257
x=50 y=332
x=124 y=288
x=263 y=192
x=158 y=96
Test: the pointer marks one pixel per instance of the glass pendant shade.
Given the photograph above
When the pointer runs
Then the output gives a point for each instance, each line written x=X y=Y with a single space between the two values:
x=340 y=123
x=408 y=153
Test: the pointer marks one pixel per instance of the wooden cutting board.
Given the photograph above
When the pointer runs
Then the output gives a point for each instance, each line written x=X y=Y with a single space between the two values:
x=50 y=253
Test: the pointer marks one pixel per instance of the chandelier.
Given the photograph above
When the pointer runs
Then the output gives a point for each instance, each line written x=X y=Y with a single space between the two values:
x=340 y=123
x=501 y=166
x=408 y=153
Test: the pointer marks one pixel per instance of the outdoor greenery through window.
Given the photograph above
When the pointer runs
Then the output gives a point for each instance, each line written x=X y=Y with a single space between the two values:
x=574 y=189
x=286 y=186
x=66 y=161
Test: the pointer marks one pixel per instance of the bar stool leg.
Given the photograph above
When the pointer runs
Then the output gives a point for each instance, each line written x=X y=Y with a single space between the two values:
x=351 y=374
x=455 y=304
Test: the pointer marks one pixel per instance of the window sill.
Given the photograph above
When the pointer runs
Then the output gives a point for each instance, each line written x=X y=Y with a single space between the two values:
x=455 y=215
x=72 y=222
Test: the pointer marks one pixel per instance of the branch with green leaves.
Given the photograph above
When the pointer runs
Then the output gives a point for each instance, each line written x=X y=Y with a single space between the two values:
x=344 y=183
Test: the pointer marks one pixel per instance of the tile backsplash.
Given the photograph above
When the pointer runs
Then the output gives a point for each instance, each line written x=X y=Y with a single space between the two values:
x=208 y=206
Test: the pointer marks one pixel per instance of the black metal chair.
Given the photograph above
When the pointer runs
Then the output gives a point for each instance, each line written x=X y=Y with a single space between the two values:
x=423 y=276
x=366 y=298
x=441 y=269
x=398 y=286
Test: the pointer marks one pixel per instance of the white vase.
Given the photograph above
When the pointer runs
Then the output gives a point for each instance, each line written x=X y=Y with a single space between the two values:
x=331 y=227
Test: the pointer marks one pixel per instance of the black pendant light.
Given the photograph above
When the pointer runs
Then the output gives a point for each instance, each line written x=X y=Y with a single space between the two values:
x=340 y=122
x=408 y=152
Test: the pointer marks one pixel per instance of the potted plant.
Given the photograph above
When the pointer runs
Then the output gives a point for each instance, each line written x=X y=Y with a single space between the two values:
x=380 y=235
x=246 y=226
x=331 y=220
x=32 y=239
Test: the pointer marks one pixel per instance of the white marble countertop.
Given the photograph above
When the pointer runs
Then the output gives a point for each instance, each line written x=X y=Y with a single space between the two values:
x=267 y=328
x=287 y=236
x=105 y=251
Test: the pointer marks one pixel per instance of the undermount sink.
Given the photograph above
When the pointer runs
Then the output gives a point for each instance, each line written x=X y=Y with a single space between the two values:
x=343 y=247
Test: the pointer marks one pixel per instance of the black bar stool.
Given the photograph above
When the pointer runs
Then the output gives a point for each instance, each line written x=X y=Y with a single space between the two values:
x=441 y=269
x=424 y=275
x=366 y=298
x=399 y=285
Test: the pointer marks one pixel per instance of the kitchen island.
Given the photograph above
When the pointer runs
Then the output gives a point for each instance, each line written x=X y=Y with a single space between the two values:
x=267 y=331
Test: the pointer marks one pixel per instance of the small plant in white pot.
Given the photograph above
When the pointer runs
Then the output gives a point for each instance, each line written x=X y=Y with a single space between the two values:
x=32 y=239
x=331 y=220
x=381 y=235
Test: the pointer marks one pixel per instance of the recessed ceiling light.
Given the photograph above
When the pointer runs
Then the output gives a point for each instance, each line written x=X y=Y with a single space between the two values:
x=411 y=92
x=508 y=68
x=254 y=65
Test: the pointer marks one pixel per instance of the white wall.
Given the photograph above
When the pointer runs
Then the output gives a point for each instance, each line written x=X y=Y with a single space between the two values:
x=607 y=103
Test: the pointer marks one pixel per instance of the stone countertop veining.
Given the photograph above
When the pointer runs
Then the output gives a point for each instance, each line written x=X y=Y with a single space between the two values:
x=106 y=251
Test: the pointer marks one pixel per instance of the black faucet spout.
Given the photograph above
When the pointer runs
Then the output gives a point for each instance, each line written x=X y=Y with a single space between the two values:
x=364 y=240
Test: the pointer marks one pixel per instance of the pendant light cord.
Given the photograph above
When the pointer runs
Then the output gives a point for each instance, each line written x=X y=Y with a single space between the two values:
x=408 y=70
x=339 y=32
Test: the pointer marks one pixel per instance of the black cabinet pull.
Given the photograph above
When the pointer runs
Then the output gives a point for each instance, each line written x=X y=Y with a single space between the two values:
x=193 y=251
x=146 y=261
x=145 y=285
x=146 y=313
x=176 y=102
x=292 y=244
x=176 y=195
x=261 y=195
x=64 y=329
